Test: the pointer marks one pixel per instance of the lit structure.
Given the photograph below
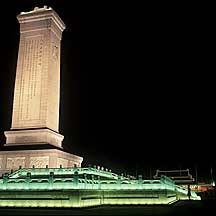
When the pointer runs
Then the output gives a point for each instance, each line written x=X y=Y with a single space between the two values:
x=181 y=177
x=34 y=137
x=184 y=179
x=82 y=187
x=35 y=144
x=35 y=116
x=202 y=187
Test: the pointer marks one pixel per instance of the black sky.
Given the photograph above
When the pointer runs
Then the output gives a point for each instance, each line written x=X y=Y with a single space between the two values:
x=137 y=89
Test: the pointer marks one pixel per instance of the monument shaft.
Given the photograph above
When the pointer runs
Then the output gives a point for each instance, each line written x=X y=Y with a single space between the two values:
x=35 y=117
x=37 y=84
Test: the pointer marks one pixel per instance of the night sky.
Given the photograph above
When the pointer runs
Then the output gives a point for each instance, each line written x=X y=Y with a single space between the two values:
x=137 y=87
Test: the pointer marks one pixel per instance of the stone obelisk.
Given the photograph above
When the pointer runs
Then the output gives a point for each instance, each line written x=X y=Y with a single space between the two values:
x=35 y=117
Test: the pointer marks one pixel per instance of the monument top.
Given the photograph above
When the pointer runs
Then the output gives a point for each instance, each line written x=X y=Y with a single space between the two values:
x=41 y=14
x=37 y=9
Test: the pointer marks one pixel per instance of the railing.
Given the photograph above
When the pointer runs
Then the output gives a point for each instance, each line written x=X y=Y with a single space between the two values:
x=82 y=178
x=22 y=179
x=63 y=171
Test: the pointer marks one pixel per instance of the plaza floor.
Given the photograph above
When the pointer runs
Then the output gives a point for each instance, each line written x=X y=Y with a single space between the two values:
x=179 y=208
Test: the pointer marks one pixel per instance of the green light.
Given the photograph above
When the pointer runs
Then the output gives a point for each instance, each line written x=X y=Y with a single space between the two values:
x=83 y=187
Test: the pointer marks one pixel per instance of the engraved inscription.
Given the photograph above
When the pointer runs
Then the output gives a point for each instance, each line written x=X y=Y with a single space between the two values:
x=14 y=163
x=39 y=162
x=31 y=79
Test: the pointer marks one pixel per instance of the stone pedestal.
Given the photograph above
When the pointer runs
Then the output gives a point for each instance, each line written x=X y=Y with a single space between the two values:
x=39 y=158
x=35 y=136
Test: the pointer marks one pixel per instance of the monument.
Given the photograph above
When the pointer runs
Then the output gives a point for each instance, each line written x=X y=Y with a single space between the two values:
x=34 y=138
x=37 y=172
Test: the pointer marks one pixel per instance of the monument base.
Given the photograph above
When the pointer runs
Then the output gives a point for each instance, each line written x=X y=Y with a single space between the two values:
x=33 y=136
x=11 y=159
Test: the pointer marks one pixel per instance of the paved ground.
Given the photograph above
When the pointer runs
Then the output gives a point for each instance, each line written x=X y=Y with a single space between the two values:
x=180 y=208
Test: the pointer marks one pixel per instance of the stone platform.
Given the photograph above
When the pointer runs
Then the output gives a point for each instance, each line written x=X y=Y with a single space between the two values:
x=85 y=187
x=41 y=155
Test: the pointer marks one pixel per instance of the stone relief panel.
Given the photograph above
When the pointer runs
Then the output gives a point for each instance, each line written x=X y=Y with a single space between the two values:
x=39 y=162
x=14 y=163
x=63 y=162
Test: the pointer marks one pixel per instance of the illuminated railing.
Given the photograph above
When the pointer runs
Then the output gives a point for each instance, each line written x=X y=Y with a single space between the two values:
x=64 y=171
x=82 y=178
x=78 y=186
x=25 y=180
x=89 y=178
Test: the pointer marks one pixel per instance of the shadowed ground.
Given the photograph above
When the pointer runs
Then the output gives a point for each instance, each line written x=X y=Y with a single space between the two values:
x=179 y=208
